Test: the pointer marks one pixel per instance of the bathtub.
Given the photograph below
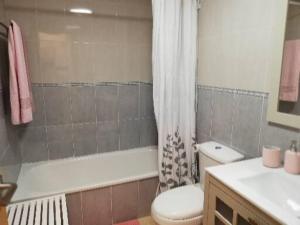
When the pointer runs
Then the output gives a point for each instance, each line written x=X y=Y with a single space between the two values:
x=84 y=173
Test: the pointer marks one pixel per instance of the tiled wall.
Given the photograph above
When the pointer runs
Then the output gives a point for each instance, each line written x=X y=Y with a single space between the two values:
x=10 y=158
x=72 y=59
x=111 y=205
x=235 y=35
x=238 y=119
x=82 y=119
x=293 y=21
x=113 y=44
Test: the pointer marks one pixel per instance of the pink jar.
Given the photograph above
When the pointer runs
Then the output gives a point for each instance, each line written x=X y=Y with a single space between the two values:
x=292 y=162
x=271 y=156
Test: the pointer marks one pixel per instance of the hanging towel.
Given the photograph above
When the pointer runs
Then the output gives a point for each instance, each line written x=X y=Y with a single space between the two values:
x=19 y=79
x=289 y=85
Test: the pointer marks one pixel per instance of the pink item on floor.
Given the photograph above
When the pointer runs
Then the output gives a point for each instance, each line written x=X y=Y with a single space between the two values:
x=19 y=80
x=289 y=85
x=131 y=222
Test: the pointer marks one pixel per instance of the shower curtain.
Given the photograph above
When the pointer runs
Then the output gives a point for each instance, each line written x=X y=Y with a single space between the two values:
x=174 y=75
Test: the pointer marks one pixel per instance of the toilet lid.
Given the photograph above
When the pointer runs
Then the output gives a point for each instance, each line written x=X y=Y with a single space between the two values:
x=180 y=203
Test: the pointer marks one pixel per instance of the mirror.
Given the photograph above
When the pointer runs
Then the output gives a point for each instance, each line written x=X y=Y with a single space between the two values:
x=289 y=90
x=284 y=99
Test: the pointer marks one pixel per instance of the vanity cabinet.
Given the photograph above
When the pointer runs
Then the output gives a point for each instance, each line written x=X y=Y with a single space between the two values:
x=3 y=216
x=222 y=206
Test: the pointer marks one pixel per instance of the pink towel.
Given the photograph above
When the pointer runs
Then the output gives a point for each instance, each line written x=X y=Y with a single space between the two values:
x=20 y=87
x=289 y=85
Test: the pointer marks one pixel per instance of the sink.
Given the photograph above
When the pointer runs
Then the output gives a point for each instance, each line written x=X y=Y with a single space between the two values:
x=280 y=189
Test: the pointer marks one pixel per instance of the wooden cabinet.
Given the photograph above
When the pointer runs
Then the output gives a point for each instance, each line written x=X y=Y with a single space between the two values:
x=222 y=206
x=3 y=216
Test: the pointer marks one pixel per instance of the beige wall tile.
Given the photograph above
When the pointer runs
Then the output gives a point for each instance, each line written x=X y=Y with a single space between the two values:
x=106 y=60
x=66 y=47
x=33 y=56
x=134 y=8
x=55 y=61
x=51 y=23
x=293 y=21
x=2 y=13
x=82 y=63
x=51 y=5
x=139 y=32
x=79 y=27
x=104 y=29
x=105 y=7
x=235 y=42
x=26 y=4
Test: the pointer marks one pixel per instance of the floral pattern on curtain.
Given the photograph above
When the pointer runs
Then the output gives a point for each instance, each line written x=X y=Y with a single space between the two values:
x=174 y=88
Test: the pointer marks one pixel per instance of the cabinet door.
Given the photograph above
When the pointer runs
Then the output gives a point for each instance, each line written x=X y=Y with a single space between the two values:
x=220 y=208
x=244 y=216
x=3 y=216
x=224 y=210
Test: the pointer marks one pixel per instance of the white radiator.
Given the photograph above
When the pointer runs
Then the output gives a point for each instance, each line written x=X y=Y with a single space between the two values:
x=45 y=211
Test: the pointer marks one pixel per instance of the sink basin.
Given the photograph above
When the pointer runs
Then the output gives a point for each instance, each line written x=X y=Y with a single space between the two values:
x=280 y=189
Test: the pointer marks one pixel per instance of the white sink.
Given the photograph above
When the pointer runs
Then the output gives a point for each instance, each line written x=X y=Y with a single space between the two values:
x=280 y=189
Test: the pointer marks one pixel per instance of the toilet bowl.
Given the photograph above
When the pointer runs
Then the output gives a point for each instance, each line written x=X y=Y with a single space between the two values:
x=184 y=205
x=165 y=209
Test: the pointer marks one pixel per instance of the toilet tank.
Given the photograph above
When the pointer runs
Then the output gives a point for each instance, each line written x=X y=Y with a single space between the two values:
x=213 y=154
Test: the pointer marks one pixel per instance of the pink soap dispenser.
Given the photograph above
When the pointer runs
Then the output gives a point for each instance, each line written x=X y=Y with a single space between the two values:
x=292 y=159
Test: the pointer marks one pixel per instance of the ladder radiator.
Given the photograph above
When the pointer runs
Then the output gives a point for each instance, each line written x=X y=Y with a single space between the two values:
x=45 y=211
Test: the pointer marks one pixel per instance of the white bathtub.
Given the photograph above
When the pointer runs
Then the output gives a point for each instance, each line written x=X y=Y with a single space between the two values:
x=89 y=172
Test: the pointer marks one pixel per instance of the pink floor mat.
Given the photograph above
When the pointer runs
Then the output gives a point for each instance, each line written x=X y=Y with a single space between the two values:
x=131 y=222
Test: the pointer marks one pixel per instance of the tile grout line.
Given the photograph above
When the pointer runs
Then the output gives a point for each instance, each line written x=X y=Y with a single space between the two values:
x=81 y=208
x=138 y=196
x=118 y=118
x=95 y=105
x=71 y=116
x=139 y=113
x=234 y=113
x=111 y=204
x=261 y=126
x=46 y=124
x=211 y=112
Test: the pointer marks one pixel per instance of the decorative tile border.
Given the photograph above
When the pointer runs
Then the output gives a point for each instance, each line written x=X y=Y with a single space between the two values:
x=235 y=91
x=79 y=84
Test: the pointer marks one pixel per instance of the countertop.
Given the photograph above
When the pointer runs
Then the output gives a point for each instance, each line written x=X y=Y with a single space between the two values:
x=233 y=174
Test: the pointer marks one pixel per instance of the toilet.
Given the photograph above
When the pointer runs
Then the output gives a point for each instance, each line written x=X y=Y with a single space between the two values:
x=184 y=205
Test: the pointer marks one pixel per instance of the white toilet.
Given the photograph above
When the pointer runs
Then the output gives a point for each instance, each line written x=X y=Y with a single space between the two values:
x=184 y=205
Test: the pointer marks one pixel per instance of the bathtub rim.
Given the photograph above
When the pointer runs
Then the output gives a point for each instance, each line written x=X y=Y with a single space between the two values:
x=128 y=179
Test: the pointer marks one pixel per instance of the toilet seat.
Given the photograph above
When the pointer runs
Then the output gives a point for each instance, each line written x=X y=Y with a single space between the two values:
x=182 y=205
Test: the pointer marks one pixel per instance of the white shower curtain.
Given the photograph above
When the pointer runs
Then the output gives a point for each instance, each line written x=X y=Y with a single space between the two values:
x=174 y=75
